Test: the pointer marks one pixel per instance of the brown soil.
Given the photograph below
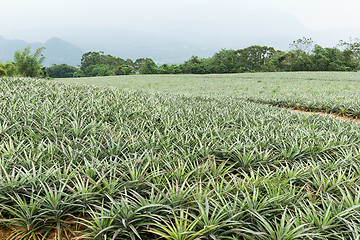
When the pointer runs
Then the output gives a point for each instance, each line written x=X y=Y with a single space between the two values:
x=328 y=114
x=5 y=233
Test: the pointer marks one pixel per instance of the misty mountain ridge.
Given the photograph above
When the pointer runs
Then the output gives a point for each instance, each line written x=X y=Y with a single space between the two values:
x=201 y=34
x=57 y=51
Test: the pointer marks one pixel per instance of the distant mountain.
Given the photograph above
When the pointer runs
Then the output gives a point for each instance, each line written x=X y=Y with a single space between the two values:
x=8 y=47
x=131 y=44
x=177 y=39
x=174 y=38
x=57 y=51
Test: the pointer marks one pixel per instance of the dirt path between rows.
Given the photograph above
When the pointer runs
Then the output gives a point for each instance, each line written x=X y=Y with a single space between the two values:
x=327 y=114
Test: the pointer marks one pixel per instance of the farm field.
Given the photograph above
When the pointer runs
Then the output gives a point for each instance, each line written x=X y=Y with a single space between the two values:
x=198 y=159
x=331 y=92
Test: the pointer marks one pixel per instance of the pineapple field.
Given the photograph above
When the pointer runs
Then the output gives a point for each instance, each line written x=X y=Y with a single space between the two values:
x=180 y=157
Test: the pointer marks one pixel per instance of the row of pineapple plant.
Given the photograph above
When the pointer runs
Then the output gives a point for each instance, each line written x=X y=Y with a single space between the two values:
x=101 y=163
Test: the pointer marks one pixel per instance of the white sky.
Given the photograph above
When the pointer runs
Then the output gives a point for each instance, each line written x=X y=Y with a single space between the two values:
x=24 y=15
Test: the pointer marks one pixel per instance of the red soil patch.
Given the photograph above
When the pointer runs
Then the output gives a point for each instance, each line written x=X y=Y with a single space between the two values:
x=337 y=116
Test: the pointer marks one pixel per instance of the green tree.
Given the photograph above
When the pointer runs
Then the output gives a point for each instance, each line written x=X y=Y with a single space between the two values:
x=299 y=60
x=3 y=71
x=27 y=64
x=196 y=65
x=95 y=63
x=62 y=71
x=124 y=70
x=330 y=59
x=226 y=61
x=99 y=70
x=255 y=58
x=303 y=44
x=145 y=66
x=275 y=62
x=90 y=58
x=165 y=69
x=10 y=68
x=175 y=69
x=78 y=74
x=351 y=52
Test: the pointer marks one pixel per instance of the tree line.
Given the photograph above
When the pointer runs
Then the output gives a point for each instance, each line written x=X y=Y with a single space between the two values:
x=304 y=55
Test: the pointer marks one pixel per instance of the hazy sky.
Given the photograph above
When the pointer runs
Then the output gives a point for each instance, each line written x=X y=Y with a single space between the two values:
x=20 y=17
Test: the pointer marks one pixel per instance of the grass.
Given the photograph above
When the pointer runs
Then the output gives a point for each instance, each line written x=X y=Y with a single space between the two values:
x=108 y=163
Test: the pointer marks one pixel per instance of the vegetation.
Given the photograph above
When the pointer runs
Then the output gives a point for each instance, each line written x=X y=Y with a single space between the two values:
x=63 y=71
x=332 y=92
x=27 y=64
x=105 y=163
x=304 y=55
x=3 y=71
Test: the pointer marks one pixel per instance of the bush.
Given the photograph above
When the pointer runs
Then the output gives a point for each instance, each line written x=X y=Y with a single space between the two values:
x=3 y=71
x=62 y=71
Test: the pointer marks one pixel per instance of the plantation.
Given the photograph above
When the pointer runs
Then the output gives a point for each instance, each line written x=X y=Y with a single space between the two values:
x=332 y=92
x=199 y=162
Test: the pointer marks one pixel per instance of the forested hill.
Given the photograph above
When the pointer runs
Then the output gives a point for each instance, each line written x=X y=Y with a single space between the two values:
x=57 y=51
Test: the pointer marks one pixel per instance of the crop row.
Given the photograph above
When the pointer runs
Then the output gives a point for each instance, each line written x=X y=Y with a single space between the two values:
x=331 y=92
x=104 y=163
